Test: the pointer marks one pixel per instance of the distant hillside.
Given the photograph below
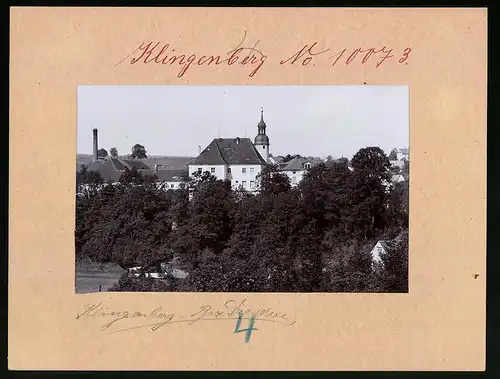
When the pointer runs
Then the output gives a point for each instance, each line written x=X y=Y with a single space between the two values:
x=84 y=159
x=161 y=161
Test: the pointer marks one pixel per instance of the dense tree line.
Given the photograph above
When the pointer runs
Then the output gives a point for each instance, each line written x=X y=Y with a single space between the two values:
x=315 y=237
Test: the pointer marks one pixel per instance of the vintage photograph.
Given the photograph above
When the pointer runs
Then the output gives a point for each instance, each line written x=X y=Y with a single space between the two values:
x=242 y=189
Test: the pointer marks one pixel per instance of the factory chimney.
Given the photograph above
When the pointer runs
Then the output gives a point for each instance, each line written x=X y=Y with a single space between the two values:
x=95 y=157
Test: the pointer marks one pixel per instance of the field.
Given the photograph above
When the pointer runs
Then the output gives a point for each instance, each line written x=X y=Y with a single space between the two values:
x=94 y=277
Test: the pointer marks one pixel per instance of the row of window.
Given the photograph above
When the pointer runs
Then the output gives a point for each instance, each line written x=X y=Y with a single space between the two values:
x=243 y=170
x=244 y=184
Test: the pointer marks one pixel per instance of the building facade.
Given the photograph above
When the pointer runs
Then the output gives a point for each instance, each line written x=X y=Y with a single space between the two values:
x=238 y=160
x=297 y=167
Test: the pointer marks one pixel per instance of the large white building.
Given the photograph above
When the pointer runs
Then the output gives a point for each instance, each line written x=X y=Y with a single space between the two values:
x=238 y=160
x=241 y=161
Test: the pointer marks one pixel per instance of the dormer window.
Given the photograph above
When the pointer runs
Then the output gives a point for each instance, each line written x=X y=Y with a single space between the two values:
x=307 y=165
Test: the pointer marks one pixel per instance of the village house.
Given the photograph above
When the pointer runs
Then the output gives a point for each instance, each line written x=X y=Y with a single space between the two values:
x=169 y=171
x=403 y=154
x=398 y=164
x=297 y=167
x=379 y=250
x=398 y=178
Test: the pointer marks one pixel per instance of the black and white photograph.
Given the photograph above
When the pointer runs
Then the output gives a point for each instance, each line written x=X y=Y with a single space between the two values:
x=286 y=189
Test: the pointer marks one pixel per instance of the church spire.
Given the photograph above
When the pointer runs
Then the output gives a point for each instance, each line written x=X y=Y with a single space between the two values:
x=261 y=141
x=262 y=125
x=262 y=138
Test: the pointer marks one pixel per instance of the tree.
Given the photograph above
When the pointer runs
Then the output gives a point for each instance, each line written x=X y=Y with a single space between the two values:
x=370 y=180
x=208 y=223
x=289 y=157
x=393 y=156
x=131 y=176
x=128 y=223
x=102 y=153
x=88 y=182
x=113 y=152
x=314 y=237
x=271 y=181
x=406 y=167
x=395 y=265
x=395 y=170
x=397 y=206
x=138 y=152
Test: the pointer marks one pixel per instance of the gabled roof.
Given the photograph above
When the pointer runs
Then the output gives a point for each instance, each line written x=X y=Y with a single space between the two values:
x=107 y=170
x=397 y=177
x=229 y=151
x=168 y=163
x=169 y=175
x=112 y=168
x=138 y=164
x=384 y=245
x=119 y=164
x=297 y=164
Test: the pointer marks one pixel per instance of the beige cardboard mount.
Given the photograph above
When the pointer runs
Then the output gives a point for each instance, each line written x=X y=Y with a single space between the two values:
x=439 y=325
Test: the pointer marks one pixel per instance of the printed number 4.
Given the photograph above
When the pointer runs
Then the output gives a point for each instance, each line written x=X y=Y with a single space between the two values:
x=248 y=330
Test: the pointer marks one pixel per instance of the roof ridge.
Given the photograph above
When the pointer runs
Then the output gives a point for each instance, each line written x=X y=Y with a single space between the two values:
x=113 y=163
x=122 y=161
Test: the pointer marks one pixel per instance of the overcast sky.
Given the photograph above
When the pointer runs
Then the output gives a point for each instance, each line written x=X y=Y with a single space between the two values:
x=306 y=120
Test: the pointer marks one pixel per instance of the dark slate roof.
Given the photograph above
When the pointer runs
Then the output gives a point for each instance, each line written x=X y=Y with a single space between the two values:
x=170 y=175
x=297 y=164
x=229 y=151
x=138 y=164
x=83 y=159
x=106 y=169
x=167 y=163
x=112 y=168
x=119 y=164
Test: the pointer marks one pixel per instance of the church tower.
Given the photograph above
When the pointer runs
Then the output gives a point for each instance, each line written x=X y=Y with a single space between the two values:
x=261 y=141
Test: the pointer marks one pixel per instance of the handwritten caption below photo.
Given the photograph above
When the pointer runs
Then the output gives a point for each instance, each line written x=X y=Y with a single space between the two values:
x=234 y=312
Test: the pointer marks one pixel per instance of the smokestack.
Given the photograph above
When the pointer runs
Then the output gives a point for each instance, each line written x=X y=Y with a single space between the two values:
x=95 y=145
x=199 y=149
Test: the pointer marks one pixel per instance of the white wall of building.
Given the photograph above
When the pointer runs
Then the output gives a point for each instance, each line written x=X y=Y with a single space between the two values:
x=240 y=175
x=400 y=164
x=220 y=171
x=263 y=151
x=295 y=176
x=402 y=156
x=244 y=176
x=173 y=185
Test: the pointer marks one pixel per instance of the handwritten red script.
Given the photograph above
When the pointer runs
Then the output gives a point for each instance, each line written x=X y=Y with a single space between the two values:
x=251 y=57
